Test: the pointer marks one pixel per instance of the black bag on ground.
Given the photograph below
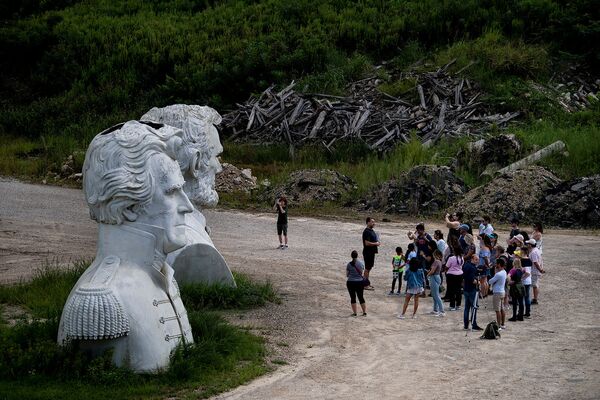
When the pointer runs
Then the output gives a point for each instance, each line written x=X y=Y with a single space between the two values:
x=492 y=331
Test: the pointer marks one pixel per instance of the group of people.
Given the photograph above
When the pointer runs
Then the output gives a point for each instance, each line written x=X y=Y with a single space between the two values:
x=473 y=267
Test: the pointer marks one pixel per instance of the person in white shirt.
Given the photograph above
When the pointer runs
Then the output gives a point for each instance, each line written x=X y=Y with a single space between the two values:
x=498 y=282
x=439 y=240
x=537 y=269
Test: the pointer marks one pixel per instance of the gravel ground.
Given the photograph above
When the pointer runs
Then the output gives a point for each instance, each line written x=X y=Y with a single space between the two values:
x=331 y=355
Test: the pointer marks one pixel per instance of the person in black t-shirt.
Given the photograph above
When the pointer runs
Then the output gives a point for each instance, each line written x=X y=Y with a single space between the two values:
x=370 y=244
x=282 y=221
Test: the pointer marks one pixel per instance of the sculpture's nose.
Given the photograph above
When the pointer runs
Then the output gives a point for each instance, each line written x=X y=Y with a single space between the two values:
x=185 y=205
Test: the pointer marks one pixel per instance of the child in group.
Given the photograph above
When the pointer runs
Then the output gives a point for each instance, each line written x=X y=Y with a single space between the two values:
x=398 y=263
x=415 y=282
x=517 y=290
x=411 y=252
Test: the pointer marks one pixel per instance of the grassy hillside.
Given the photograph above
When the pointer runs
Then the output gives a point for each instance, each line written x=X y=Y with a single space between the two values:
x=69 y=68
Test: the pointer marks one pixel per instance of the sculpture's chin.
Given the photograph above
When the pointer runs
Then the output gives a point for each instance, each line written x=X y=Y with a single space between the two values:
x=202 y=193
x=175 y=239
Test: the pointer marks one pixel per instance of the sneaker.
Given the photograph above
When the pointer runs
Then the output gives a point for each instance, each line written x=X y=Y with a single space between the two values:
x=285 y=246
x=457 y=308
x=534 y=301
x=391 y=293
x=364 y=314
x=477 y=328
x=527 y=316
x=369 y=287
x=414 y=316
x=442 y=314
x=400 y=316
x=353 y=315
x=513 y=319
x=280 y=247
x=452 y=309
x=433 y=312
x=503 y=327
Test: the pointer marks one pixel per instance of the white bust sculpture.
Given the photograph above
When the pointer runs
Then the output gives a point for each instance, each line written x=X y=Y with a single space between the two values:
x=128 y=299
x=199 y=260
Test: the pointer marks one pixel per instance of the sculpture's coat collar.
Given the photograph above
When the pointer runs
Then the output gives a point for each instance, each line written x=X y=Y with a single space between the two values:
x=138 y=243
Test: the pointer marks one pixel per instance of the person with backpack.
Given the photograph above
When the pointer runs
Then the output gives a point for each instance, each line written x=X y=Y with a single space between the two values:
x=415 y=281
x=398 y=263
x=516 y=290
x=355 y=283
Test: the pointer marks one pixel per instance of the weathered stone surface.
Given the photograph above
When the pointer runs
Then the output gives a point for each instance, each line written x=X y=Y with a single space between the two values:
x=232 y=179
x=425 y=189
x=313 y=185
x=516 y=193
x=197 y=155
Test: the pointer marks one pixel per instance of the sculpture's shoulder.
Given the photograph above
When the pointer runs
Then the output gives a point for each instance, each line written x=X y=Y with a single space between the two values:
x=94 y=310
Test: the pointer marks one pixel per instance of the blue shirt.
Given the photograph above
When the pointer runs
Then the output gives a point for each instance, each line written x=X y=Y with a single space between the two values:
x=414 y=280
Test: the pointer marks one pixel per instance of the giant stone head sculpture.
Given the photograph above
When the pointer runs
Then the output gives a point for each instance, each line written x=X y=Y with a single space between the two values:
x=200 y=148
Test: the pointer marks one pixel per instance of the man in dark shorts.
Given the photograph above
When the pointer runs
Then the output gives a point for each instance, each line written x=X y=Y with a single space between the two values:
x=282 y=222
x=370 y=243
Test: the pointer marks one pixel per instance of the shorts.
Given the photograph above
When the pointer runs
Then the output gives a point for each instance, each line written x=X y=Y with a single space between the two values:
x=535 y=281
x=498 y=297
x=282 y=228
x=369 y=260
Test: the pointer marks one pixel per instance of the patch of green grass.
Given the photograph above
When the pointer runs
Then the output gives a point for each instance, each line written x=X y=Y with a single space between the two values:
x=21 y=157
x=33 y=366
x=34 y=295
x=247 y=294
x=581 y=137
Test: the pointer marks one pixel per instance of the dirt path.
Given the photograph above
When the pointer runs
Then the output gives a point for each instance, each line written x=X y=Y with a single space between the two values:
x=331 y=355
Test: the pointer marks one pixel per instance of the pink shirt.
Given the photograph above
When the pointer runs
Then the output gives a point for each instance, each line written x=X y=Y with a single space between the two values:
x=454 y=265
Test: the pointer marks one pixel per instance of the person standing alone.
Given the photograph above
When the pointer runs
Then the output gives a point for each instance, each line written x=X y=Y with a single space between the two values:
x=370 y=244
x=282 y=221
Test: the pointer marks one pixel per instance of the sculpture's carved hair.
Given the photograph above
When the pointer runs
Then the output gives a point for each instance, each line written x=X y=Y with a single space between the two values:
x=195 y=121
x=195 y=153
x=116 y=176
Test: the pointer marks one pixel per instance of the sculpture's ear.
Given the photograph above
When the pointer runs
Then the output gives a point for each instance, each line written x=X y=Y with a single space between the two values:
x=130 y=215
x=196 y=164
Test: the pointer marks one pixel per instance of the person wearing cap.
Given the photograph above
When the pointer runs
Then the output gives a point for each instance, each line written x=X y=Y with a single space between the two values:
x=515 y=243
x=537 y=270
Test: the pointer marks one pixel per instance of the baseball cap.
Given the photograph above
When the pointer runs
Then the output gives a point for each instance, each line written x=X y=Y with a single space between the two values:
x=464 y=227
x=531 y=241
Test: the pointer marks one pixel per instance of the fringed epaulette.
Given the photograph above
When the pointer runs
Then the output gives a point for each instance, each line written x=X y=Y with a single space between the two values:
x=94 y=311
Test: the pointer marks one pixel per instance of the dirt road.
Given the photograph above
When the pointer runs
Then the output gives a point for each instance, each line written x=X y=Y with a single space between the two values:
x=331 y=355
